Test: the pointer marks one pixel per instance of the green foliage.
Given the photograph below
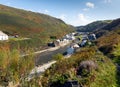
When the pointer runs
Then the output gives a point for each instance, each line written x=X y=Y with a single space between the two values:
x=13 y=68
x=65 y=70
x=117 y=50
x=59 y=78
x=93 y=26
x=116 y=53
x=58 y=57
x=26 y=24
x=30 y=24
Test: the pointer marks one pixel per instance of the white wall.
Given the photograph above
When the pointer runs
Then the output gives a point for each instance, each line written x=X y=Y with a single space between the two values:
x=3 y=37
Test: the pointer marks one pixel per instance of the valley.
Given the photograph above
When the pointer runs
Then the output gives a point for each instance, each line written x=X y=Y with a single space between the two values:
x=39 y=50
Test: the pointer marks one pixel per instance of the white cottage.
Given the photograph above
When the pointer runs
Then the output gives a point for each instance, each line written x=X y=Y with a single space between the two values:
x=3 y=36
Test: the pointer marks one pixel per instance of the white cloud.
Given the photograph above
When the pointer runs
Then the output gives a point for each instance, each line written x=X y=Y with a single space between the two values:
x=90 y=5
x=107 y=1
x=46 y=11
x=80 y=19
x=63 y=16
x=85 y=9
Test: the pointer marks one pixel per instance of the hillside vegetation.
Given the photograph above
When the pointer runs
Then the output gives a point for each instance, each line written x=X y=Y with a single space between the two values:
x=113 y=26
x=107 y=73
x=93 y=26
x=89 y=67
x=109 y=36
x=30 y=24
x=35 y=26
x=109 y=43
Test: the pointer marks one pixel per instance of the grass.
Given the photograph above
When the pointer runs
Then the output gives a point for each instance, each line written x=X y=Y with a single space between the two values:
x=30 y=24
x=64 y=70
x=13 y=68
x=39 y=27
x=109 y=45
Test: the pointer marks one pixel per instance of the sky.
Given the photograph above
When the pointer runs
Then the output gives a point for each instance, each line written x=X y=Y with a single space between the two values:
x=73 y=12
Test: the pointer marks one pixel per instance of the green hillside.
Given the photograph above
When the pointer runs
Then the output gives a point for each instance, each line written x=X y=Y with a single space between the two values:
x=30 y=24
x=109 y=43
x=35 y=26
x=109 y=39
x=93 y=26
x=90 y=68
x=106 y=58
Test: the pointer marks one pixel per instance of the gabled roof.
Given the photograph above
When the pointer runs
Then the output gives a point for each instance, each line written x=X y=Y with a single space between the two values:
x=3 y=34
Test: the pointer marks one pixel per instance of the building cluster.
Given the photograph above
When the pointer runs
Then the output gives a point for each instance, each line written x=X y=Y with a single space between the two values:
x=86 y=38
x=76 y=42
x=63 y=41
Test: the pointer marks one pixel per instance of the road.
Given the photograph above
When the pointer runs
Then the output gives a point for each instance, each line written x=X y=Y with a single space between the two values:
x=44 y=61
x=46 y=56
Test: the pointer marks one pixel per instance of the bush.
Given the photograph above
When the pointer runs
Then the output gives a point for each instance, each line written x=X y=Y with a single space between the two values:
x=58 y=57
x=86 y=67
x=14 y=68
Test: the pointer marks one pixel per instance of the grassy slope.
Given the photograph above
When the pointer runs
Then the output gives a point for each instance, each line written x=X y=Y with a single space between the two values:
x=93 y=26
x=109 y=43
x=38 y=27
x=107 y=74
x=104 y=76
x=113 y=26
x=28 y=24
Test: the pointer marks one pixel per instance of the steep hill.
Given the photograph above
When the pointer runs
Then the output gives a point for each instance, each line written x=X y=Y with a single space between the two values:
x=30 y=24
x=114 y=26
x=75 y=69
x=109 y=40
x=93 y=26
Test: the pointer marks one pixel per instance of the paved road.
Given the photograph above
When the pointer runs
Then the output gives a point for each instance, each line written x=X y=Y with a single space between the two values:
x=45 y=57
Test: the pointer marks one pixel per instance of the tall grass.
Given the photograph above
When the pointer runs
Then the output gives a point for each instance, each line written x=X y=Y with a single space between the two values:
x=13 y=68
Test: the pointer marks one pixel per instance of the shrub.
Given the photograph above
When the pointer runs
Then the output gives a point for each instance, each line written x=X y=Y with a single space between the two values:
x=14 y=68
x=58 y=57
x=86 y=67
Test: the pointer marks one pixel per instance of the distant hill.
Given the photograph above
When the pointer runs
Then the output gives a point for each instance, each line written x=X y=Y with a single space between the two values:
x=93 y=26
x=109 y=37
x=114 y=26
x=31 y=24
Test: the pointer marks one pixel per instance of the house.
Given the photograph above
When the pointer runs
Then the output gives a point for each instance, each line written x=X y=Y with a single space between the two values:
x=74 y=45
x=69 y=37
x=92 y=37
x=3 y=36
x=83 y=43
